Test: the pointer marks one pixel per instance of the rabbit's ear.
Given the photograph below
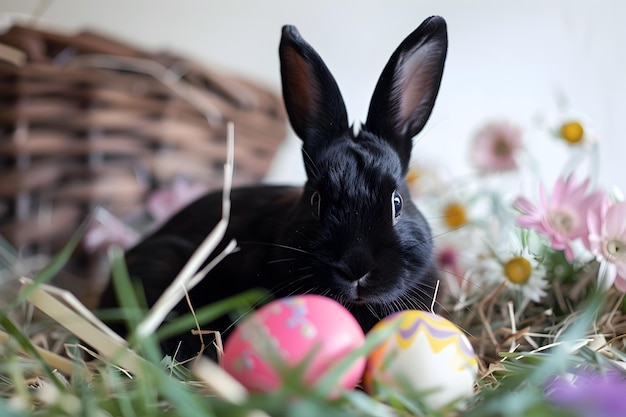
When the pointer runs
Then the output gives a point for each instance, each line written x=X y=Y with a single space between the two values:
x=405 y=94
x=313 y=100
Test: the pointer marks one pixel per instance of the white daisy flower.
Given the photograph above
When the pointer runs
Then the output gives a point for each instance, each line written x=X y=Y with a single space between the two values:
x=575 y=129
x=519 y=270
x=455 y=256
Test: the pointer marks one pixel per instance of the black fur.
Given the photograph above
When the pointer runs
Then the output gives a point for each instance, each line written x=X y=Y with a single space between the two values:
x=338 y=235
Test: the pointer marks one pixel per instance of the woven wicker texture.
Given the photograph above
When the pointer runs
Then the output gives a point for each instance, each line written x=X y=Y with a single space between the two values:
x=87 y=121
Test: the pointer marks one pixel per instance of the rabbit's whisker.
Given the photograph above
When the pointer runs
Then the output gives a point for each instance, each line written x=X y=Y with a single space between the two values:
x=277 y=245
x=463 y=278
x=276 y=261
x=290 y=284
x=417 y=297
x=373 y=311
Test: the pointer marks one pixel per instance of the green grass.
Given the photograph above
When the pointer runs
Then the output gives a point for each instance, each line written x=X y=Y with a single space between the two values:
x=159 y=387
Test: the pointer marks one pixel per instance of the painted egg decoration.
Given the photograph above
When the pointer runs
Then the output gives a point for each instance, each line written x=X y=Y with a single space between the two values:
x=288 y=331
x=425 y=355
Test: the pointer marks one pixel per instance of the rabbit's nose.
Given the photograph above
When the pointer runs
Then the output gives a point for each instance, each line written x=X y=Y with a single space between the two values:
x=356 y=272
x=359 y=288
x=362 y=280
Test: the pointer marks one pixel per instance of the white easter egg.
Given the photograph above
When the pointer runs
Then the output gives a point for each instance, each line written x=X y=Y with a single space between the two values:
x=426 y=356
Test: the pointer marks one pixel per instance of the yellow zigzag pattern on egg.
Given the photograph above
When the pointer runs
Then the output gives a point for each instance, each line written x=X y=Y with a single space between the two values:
x=439 y=333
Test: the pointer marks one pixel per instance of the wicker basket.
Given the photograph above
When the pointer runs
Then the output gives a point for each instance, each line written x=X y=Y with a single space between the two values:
x=87 y=121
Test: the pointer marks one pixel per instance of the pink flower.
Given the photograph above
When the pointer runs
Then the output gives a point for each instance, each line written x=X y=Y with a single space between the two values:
x=107 y=230
x=448 y=260
x=495 y=147
x=607 y=241
x=563 y=216
x=163 y=203
x=449 y=263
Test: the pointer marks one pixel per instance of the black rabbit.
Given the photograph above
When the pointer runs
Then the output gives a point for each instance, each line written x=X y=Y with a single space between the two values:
x=352 y=232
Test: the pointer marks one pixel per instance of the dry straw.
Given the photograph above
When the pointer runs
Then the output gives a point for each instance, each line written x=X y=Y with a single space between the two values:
x=64 y=308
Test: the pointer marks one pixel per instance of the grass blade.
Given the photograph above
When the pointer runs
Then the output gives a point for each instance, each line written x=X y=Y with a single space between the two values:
x=55 y=265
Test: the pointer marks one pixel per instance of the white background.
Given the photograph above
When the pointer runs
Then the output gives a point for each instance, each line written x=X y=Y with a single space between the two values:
x=507 y=60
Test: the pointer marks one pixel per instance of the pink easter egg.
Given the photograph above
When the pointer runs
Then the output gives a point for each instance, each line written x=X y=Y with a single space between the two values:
x=288 y=331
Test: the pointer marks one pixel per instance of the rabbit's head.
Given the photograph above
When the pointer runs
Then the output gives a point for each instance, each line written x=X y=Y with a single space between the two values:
x=356 y=235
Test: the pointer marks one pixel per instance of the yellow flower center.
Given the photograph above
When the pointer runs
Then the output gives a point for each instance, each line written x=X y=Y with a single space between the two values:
x=572 y=132
x=454 y=215
x=412 y=176
x=518 y=270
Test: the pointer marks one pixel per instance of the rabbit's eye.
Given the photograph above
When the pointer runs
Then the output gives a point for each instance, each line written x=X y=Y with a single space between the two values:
x=315 y=204
x=396 y=206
